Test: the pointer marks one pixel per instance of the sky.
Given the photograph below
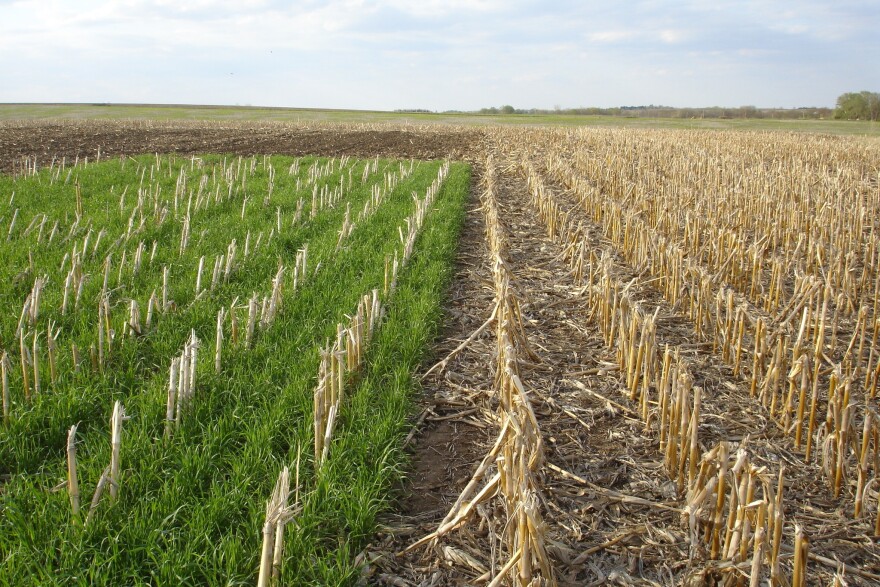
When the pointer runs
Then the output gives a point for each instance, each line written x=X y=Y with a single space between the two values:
x=439 y=54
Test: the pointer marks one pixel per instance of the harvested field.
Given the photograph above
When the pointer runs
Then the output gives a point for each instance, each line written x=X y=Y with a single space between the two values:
x=659 y=362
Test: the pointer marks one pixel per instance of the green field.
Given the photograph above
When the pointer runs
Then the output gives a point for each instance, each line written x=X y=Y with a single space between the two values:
x=249 y=113
x=192 y=494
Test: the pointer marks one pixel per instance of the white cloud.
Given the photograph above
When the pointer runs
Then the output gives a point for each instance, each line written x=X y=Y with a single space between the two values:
x=671 y=36
x=435 y=8
x=612 y=36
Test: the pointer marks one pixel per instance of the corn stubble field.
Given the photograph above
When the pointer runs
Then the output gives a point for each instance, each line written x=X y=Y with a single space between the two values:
x=658 y=360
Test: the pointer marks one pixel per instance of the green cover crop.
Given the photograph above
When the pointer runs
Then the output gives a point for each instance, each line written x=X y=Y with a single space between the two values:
x=117 y=273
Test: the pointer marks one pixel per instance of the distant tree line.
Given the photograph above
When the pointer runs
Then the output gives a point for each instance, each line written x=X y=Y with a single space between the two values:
x=652 y=111
x=858 y=106
x=850 y=106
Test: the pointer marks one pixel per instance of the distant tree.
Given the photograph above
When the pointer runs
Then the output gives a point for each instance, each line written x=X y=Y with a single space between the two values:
x=858 y=106
x=748 y=111
x=507 y=109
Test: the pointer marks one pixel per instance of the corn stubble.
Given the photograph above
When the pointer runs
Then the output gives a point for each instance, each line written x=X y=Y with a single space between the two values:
x=775 y=267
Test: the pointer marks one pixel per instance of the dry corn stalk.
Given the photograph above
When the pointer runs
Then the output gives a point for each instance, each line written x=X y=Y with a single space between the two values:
x=51 y=339
x=345 y=355
x=252 y=320
x=5 y=367
x=116 y=420
x=99 y=492
x=801 y=551
x=326 y=402
x=720 y=280
x=181 y=383
x=218 y=346
x=745 y=525
x=278 y=514
x=25 y=377
x=72 y=479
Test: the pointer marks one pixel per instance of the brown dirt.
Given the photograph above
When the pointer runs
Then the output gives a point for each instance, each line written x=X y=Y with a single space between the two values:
x=447 y=446
x=48 y=140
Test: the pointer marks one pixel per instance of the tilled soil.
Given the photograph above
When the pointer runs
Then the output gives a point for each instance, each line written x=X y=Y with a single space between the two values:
x=46 y=141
